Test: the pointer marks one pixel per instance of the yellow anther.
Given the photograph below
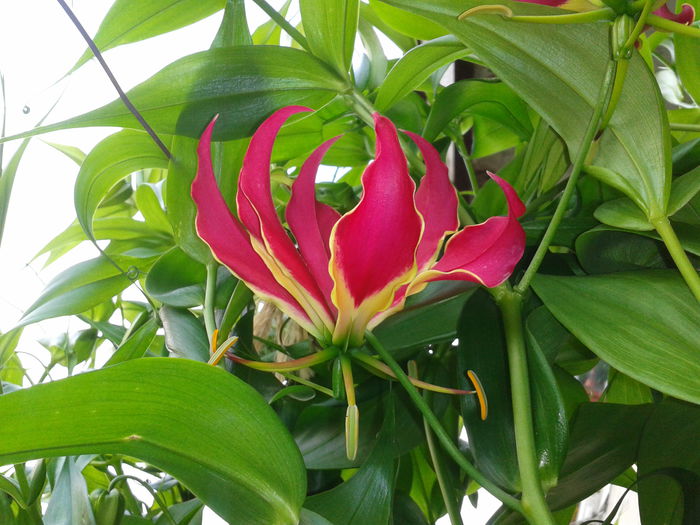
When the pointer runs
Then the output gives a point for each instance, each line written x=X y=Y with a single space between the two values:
x=480 y=394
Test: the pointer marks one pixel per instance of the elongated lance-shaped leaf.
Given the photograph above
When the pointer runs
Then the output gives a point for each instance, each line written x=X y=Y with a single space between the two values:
x=243 y=84
x=558 y=70
x=331 y=27
x=129 y=21
x=205 y=427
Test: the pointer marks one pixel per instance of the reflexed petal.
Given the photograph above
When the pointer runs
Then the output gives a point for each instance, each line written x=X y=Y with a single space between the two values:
x=326 y=217
x=485 y=253
x=373 y=246
x=303 y=221
x=258 y=214
x=686 y=16
x=436 y=200
x=230 y=243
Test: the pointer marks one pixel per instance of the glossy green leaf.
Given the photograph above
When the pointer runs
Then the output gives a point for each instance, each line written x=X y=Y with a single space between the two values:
x=148 y=203
x=622 y=213
x=624 y=390
x=415 y=26
x=205 y=427
x=659 y=349
x=7 y=180
x=492 y=441
x=185 y=335
x=669 y=466
x=687 y=54
x=493 y=100
x=309 y=517
x=603 y=444
x=367 y=496
x=242 y=84
x=683 y=189
x=73 y=153
x=566 y=64
x=233 y=30
x=110 y=161
x=77 y=289
x=428 y=318
x=330 y=30
x=177 y=280
x=604 y=250
x=128 y=22
x=136 y=345
x=368 y=14
x=69 y=501
x=415 y=67
x=269 y=32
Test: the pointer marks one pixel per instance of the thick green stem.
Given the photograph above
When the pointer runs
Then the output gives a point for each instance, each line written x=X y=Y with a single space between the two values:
x=210 y=299
x=442 y=435
x=581 y=154
x=535 y=507
x=665 y=230
x=674 y=27
x=678 y=126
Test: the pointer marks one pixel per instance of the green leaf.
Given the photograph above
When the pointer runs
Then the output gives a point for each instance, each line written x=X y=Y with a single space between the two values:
x=659 y=348
x=198 y=423
x=109 y=162
x=669 y=466
x=177 y=280
x=77 y=289
x=603 y=444
x=493 y=100
x=366 y=497
x=622 y=213
x=402 y=41
x=687 y=54
x=416 y=66
x=242 y=84
x=148 y=203
x=331 y=27
x=624 y=390
x=558 y=70
x=136 y=345
x=683 y=189
x=69 y=501
x=128 y=22
x=415 y=26
x=185 y=335
x=269 y=32
x=604 y=250
x=75 y=154
x=7 y=180
x=233 y=30
x=428 y=318
x=492 y=441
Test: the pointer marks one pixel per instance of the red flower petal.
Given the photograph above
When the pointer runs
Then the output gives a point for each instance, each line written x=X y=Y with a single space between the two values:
x=302 y=218
x=229 y=241
x=373 y=246
x=258 y=214
x=485 y=253
x=685 y=17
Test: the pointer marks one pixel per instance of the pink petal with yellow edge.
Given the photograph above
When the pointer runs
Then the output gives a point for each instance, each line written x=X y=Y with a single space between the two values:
x=303 y=221
x=229 y=241
x=258 y=214
x=436 y=200
x=485 y=253
x=686 y=16
x=326 y=217
x=373 y=246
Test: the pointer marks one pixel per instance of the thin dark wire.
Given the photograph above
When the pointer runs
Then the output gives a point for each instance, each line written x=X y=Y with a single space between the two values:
x=120 y=91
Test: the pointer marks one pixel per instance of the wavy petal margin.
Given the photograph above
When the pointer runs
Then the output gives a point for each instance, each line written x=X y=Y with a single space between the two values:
x=485 y=253
x=373 y=246
x=230 y=243
x=685 y=17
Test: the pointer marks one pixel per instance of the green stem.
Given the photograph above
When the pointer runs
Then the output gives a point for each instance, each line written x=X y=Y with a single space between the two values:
x=674 y=27
x=678 y=126
x=453 y=510
x=535 y=507
x=237 y=302
x=305 y=382
x=639 y=27
x=575 y=18
x=458 y=141
x=665 y=230
x=210 y=299
x=441 y=434
x=588 y=137
x=282 y=22
x=620 y=75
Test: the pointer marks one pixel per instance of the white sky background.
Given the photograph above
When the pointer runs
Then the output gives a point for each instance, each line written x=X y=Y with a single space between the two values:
x=38 y=44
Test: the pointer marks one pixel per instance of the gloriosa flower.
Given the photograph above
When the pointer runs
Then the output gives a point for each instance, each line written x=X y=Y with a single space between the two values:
x=340 y=275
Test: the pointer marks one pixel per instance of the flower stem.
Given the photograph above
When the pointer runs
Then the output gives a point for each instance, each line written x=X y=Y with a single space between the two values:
x=674 y=27
x=678 y=126
x=665 y=230
x=210 y=299
x=535 y=507
x=441 y=434
x=581 y=154
x=236 y=303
